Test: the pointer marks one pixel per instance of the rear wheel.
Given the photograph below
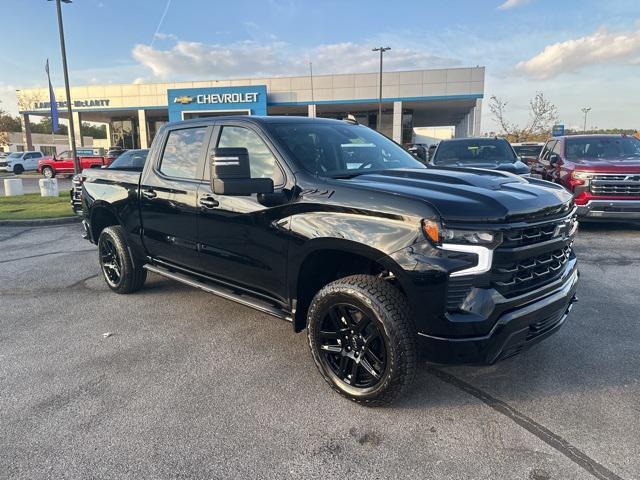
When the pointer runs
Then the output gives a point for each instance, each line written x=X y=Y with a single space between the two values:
x=362 y=339
x=118 y=268
x=18 y=169
x=48 y=172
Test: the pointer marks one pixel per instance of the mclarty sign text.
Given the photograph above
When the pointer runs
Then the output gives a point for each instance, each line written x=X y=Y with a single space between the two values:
x=103 y=102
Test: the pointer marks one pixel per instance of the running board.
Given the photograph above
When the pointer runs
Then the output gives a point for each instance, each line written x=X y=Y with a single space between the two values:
x=223 y=292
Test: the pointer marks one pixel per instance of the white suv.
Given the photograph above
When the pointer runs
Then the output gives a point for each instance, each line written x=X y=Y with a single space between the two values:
x=18 y=162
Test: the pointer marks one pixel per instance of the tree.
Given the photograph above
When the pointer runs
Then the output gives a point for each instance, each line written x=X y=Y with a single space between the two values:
x=44 y=126
x=95 y=131
x=8 y=124
x=542 y=115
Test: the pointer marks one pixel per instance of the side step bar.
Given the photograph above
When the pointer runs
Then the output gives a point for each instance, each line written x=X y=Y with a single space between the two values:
x=223 y=292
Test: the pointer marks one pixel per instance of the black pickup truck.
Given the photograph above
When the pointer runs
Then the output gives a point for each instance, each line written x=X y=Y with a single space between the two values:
x=337 y=229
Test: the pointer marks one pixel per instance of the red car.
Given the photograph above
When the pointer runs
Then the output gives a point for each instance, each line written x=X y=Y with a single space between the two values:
x=62 y=164
x=602 y=171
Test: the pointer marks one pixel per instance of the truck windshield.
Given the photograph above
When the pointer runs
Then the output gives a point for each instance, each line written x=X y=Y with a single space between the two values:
x=474 y=151
x=15 y=155
x=342 y=150
x=620 y=148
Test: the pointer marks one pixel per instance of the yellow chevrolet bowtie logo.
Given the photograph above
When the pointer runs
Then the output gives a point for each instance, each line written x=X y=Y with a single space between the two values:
x=183 y=99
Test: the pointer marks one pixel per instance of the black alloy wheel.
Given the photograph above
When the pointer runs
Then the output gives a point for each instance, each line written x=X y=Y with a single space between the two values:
x=352 y=346
x=110 y=262
x=362 y=339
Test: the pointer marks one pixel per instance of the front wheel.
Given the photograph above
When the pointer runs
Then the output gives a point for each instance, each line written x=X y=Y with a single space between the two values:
x=118 y=268
x=362 y=339
x=48 y=172
x=18 y=169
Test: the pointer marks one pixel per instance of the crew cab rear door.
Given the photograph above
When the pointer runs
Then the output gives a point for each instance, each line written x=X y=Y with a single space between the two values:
x=241 y=239
x=169 y=195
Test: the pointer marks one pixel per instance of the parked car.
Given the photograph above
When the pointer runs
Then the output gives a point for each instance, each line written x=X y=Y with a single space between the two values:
x=115 y=151
x=335 y=228
x=528 y=151
x=19 y=162
x=602 y=172
x=62 y=164
x=131 y=160
x=419 y=150
x=491 y=153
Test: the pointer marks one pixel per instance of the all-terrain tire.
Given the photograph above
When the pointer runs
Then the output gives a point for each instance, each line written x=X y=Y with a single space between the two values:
x=112 y=250
x=388 y=311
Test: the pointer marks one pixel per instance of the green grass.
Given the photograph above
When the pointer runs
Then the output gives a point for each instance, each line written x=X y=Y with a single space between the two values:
x=32 y=206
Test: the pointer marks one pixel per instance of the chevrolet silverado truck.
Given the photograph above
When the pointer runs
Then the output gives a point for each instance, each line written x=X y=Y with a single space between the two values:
x=602 y=172
x=62 y=164
x=340 y=231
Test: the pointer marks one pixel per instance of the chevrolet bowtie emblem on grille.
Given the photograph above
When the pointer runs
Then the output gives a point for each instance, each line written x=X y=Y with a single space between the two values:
x=632 y=178
x=184 y=99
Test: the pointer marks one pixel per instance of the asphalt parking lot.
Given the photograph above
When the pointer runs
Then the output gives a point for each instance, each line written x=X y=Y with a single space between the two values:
x=192 y=386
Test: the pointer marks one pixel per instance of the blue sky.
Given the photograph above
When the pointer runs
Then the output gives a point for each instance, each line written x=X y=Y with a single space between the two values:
x=577 y=52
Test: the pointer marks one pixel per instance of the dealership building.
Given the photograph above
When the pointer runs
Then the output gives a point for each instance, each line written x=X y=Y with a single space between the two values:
x=133 y=113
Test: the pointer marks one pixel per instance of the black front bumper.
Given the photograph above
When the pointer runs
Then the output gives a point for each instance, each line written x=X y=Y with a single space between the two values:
x=520 y=325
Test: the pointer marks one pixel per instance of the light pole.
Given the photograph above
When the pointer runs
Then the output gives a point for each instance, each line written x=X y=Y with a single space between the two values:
x=72 y=133
x=585 y=110
x=381 y=50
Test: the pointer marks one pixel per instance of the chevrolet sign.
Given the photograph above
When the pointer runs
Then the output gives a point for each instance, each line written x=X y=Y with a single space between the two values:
x=183 y=99
x=249 y=97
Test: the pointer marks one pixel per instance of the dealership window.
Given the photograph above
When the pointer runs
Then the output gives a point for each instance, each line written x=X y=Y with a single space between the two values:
x=183 y=153
x=48 y=150
x=261 y=160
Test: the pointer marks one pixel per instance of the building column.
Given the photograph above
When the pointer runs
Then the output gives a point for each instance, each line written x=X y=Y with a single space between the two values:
x=311 y=112
x=26 y=132
x=77 y=129
x=142 y=128
x=108 y=124
x=477 y=115
x=397 y=122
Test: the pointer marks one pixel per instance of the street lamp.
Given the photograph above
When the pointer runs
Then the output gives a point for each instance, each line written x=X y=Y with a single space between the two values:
x=72 y=133
x=585 y=110
x=381 y=50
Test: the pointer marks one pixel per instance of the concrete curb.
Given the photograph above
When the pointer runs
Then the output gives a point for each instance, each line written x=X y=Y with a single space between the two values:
x=42 y=222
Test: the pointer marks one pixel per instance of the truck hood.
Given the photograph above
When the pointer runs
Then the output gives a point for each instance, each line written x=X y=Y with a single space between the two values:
x=468 y=195
x=610 y=165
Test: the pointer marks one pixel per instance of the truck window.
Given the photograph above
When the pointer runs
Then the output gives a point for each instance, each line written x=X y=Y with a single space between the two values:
x=546 y=151
x=557 y=148
x=261 y=160
x=183 y=153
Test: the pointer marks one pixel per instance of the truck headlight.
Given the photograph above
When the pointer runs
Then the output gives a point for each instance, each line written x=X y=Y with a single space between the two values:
x=440 y=235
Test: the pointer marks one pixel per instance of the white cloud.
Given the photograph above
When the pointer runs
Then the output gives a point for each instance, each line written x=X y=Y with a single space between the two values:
x=8 y=99
x=512 y=4
x=251 y=58
x=601 y=47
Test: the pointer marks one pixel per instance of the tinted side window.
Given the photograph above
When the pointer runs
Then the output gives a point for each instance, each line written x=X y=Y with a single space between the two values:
x=261 y=160
x=183 y=153
x=547 y=150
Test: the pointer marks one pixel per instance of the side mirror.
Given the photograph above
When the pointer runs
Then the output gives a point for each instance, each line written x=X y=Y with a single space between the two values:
x=231 y=175
x=554 y=160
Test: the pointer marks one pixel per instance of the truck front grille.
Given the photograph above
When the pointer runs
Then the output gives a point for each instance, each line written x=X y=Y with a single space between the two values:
x=3 y=164
x=613 y=185
x=515 y=278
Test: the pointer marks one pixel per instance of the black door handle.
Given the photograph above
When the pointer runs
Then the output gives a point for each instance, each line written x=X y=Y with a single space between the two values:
x=149 y=193
x=209 y=202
